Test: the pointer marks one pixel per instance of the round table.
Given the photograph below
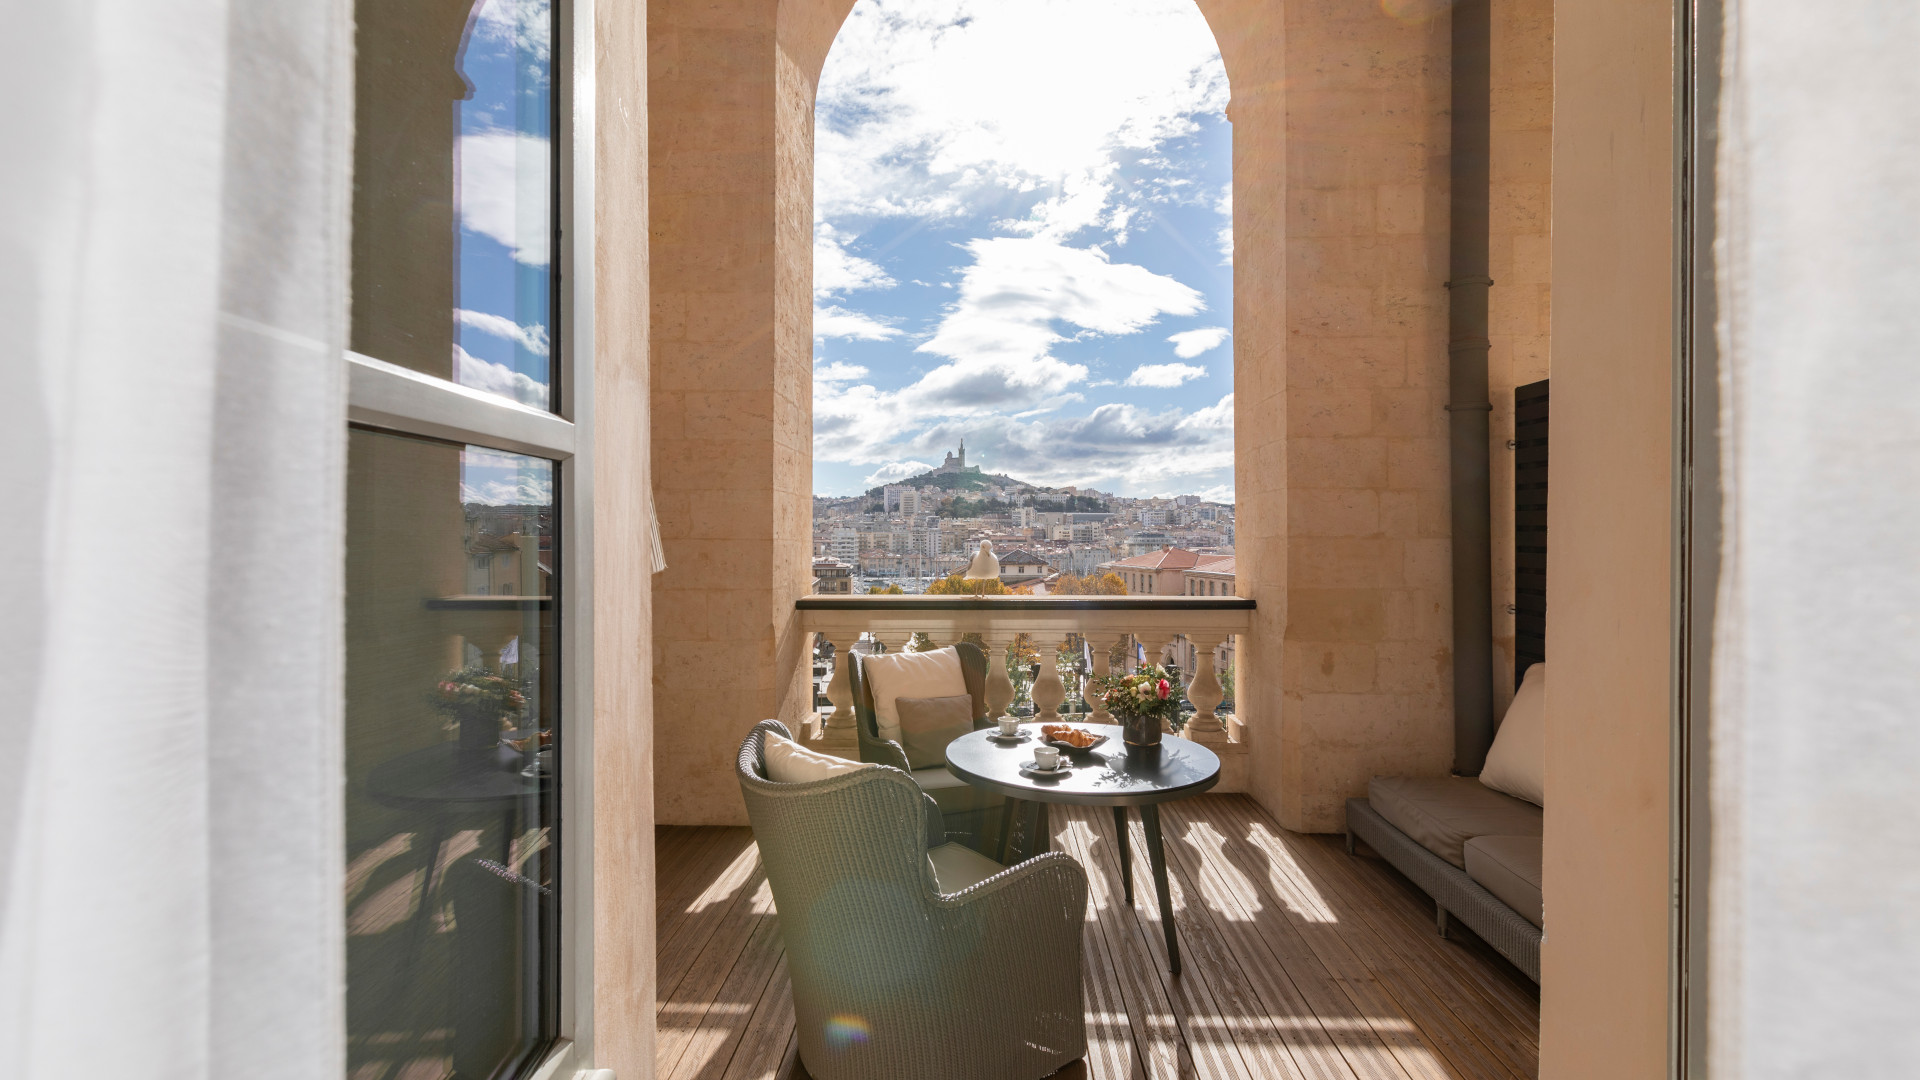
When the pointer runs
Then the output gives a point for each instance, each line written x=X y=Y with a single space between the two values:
x=1111 y=774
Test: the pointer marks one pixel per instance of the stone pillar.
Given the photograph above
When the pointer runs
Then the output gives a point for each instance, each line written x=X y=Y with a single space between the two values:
x=1048 y=689
x=837 y=734
x=1206 y=693
x=999 y=687
x=1102 y=665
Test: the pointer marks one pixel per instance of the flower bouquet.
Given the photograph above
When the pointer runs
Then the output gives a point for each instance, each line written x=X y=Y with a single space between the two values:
x=1146 y=702
x=481 y=703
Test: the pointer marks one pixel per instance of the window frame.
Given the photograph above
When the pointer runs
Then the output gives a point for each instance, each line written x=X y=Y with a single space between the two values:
x=388 y=397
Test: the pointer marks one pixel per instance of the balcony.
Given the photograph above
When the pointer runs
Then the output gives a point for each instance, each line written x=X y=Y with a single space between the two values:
x=1302 y=962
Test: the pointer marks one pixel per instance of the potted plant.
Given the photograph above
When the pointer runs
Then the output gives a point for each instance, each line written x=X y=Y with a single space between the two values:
x=481 y=704
x=1146 y=702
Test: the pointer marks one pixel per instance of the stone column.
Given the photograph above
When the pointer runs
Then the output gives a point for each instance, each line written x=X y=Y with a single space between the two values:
x=1102 y=665
x=1206 y=693
x=837 y=734
x=999 y=687
x=1049 y=691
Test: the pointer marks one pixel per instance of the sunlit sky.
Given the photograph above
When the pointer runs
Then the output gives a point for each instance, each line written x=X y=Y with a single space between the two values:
x=1022 y=238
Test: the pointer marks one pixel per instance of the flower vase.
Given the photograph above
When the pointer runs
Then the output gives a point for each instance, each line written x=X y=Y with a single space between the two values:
x=1139 y=730
x=479 y=733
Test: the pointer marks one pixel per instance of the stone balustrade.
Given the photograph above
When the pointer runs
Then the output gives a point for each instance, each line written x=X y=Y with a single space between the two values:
x=1154 y=621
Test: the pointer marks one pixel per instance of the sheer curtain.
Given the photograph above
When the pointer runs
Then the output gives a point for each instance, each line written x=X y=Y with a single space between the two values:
x=173 y=224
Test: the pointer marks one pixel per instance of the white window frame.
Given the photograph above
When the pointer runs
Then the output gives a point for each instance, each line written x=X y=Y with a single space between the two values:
x=393 y=398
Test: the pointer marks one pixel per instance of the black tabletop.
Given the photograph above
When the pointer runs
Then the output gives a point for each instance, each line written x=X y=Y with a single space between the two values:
x=440 y=777
x=1111 y=774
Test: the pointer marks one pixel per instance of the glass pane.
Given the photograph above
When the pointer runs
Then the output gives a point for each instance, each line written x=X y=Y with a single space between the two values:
x=452 y=668
x=453 y=192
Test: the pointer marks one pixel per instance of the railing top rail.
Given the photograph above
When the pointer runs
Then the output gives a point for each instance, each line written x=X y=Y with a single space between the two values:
x=1013 y=605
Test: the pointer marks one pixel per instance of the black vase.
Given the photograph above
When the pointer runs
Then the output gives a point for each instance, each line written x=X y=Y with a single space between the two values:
x=1139 y=730
x=479 y=734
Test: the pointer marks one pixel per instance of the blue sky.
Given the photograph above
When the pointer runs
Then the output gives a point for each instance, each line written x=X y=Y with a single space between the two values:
x=1022 y=238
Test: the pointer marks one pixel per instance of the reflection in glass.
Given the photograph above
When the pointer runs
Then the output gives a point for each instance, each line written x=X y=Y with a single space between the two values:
x=451 y=839
x=453 y=184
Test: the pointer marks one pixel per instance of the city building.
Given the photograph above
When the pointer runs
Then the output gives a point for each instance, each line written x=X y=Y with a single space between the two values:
x=831 y=576
x=1020 y=566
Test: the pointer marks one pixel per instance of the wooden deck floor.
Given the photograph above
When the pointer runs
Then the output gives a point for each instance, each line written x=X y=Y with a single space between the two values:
x=1299 y=962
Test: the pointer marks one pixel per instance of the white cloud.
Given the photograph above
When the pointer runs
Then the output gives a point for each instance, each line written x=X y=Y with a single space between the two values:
x=1188 y=344
x=504 y=179
x=1225 y=236
x=1164 y=375
x=836 y=272
x=500 y=479
x=894 y=471
x=930 y=108
x=531 y=338
x=471 y=371
x=838 y=372
x=838 y=322
x=526 y=24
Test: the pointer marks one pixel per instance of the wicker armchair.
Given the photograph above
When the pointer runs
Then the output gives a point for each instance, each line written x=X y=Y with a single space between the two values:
x=892 y=977
x=972 y=814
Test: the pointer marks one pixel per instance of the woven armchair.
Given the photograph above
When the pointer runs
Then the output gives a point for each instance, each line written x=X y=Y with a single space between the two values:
x=891 y=977
x=972 y=814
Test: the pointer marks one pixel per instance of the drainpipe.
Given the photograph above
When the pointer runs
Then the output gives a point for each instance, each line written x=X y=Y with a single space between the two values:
x=1468 y=407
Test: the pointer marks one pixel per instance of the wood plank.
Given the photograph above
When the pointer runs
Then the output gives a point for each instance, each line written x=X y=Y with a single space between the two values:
x=693 y=1002
x=1196 y=1002
x=1314 y=924
x=1323 y=1032
x=1160 y=1049
x=686 y=931
x=1111 y=1052
x=707 y=1056
x=1455 y=1039
x=763 y=1047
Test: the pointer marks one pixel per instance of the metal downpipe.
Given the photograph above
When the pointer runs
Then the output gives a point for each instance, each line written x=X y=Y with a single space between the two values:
x=1469 y=409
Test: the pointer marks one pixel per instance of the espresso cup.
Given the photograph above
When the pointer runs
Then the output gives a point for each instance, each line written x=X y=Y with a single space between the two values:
x=1046 y=758
x=1009 y=727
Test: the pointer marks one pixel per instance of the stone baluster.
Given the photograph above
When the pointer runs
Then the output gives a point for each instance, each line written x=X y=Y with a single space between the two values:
x=1102 y=665
x=837 y=734
x=1206 y=693
x=1049 y=691
x=892 y=640
x=999 y=686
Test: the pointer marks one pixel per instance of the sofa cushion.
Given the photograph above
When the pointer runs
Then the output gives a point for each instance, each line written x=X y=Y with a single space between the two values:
x=1442 y=813
x=1509 y=868
x=790 y=763
x=895 y=675
x=957 y=866
x=954 y=795
x=1517 y=763
x=927 y=725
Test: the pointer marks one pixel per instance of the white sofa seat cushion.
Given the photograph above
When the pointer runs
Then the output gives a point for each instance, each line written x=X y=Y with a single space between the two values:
x=1517 y=762
x=891 y=676
x=1509 y=868
x=1442 y=813
x=957 y=866
x=790 y=763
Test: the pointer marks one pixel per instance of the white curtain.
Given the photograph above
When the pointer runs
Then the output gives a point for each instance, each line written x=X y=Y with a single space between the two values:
x=173 y=230
x=1815 y=903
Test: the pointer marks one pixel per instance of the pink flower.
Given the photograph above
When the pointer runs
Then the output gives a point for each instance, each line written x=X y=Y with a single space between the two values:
x=1164 y=689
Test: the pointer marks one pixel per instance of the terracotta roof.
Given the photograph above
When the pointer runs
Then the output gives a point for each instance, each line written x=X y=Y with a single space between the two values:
x=1167 y=558
x=1021 y=557
x=1215 y=564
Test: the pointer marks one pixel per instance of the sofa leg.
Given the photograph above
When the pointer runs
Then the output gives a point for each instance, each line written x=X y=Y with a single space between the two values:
x=1440 y=919
x=1349 y=841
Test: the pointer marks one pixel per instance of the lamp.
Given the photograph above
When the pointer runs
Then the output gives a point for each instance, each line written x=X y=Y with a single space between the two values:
x=984 y=566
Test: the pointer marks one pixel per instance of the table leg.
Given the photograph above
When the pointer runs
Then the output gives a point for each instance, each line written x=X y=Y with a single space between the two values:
x=1041 y=839
x=1009 y=813
x=1126 y=852
x=1156 y=853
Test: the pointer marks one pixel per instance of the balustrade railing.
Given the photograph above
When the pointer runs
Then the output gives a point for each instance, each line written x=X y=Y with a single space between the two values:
x=1206 y=622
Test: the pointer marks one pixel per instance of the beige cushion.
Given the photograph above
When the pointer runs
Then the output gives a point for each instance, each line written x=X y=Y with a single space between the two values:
x=790 y=763
x=1442 y=813
x=1509 y=868
x=957 y=866
x=1517 y=763
x=952 y=794
x=928 y=724
x=895 y=675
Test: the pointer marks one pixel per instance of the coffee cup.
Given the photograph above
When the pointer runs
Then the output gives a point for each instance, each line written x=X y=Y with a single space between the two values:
x=1046 y=758
x=1009 y=727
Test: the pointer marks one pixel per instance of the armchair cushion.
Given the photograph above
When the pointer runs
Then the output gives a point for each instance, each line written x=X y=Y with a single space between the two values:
x=895 y=675
x=954 y=795
x=927 y=725
x=957 y=866
x=790 y=763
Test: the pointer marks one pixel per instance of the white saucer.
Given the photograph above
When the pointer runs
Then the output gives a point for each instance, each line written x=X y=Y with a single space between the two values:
x=1018 y=736
x=1062 y=769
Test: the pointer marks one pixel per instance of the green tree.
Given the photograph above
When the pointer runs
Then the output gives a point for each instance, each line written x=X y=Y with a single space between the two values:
x=955 y=585
x=884 y=590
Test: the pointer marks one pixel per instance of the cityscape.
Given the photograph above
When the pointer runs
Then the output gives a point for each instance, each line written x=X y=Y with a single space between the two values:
x=908 y=535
